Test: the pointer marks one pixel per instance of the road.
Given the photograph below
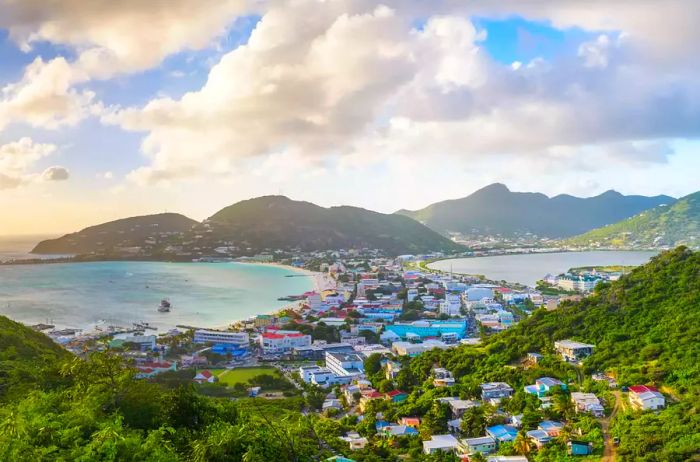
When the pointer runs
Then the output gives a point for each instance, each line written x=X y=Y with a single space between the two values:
x=609 y=449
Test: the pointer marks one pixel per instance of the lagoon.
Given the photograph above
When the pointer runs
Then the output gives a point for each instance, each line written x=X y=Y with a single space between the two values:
x=529 y=268
x=80 y=295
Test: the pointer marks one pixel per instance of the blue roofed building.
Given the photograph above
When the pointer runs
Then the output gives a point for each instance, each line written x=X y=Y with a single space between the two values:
x=502 y=433
x=424 y=329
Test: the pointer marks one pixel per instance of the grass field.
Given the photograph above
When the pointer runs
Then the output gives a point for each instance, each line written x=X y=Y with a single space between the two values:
x=243 y=374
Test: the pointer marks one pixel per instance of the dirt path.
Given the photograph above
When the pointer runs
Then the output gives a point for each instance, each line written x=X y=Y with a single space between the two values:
x=609 y=449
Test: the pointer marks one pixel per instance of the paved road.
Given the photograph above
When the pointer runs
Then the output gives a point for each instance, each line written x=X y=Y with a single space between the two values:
x=610 y=450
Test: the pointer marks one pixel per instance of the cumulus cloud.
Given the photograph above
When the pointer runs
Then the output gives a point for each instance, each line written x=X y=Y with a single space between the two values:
x=353 y=79
x=55 y=173
x=123 y=36
x=17 y=159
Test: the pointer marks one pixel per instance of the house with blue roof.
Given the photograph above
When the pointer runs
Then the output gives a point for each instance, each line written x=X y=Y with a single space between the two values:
x=552 y=427
x=502 y=433
x=539 y=437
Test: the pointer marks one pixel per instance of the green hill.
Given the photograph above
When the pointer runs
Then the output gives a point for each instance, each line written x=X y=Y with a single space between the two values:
x=28 y=359
x=663 y=226
x=495 y=210
x=152 y=231
x=278 y=222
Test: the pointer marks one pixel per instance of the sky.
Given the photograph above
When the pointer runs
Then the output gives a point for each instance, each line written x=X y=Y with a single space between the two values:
x=118 y=108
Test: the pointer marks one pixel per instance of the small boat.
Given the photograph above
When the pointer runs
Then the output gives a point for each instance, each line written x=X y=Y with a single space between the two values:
x=164 y=306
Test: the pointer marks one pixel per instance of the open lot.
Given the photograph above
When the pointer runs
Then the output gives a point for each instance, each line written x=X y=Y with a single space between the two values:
x=243 y=374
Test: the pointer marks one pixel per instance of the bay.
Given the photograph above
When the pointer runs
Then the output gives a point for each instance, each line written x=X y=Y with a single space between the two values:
x=80 y=295
x=529 y=268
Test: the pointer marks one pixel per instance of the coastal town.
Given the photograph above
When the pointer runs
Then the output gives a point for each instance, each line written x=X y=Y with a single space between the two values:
x=346 y=348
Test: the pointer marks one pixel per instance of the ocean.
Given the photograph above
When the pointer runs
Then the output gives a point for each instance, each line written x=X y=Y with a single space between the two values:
x=529 y=268
x=80 y=295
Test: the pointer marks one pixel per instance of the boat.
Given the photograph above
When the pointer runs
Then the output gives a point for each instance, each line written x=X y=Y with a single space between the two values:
x=164 y=306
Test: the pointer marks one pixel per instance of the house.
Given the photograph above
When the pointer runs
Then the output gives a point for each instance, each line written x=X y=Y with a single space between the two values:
x=644 y=397
x=355 y=441
x=194 y=360
x=460 y=406
x=573 y=351
x=410 y=421
x=445 y=443
x=338 y=459
x=253 y=392
x=579 y=448
x=502 y=433
x=204 y=377
x=396 y=396
x=332 y=404
x=149 y=369
x=544 y=385
x=507 y=459
x=539 y=437
x=367 y=397
x=482 y=444
x=144 y=342
x=552 y=427
x=442 y=377
x=587 y=402
x=534 y=358
x=495 y=390
x=392 y=369
x=398 y=430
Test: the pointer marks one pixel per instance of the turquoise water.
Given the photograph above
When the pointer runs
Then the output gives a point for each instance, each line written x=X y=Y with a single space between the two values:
x=79 y=295
x=529 y=268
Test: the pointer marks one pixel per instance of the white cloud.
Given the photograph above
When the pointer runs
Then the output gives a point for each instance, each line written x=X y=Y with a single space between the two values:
x=17 y=159
x=45 y=96
x=348 y=79
x=119 y=36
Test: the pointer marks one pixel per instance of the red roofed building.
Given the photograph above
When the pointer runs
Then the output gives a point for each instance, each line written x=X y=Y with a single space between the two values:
x=151 y=368
x=205 y=377
x=283 y=341
x=644 y=397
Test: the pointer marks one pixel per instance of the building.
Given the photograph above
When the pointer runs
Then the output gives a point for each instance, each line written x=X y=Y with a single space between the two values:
x=587 y=402
x=391 y=370
x=460 y=406
x=424 y=329
x=573 y=351
x=283 y=341
x=578 y=283
x=502 y=433
x=579 y=448
x=317 y=351
x=495 y=390
x=645 y=398
x=452 y=305
x=442 y=377
x=482 y=444
x=215 y=336
x=445 y=443
x=544 y=385
x=345 y=364
x=144 y=342
x=507 y=459
x=539 y=437
x=398 y=430
x=552 y=427
x=204 y=377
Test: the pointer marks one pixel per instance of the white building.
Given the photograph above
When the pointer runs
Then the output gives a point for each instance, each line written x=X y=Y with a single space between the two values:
x=452 y=305
x=345 y=364
x=645 y=398
x=215 y=336
x=445 y=443
x=283 y=341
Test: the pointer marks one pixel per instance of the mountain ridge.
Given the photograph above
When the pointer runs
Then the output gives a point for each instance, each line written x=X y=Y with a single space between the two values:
x=496 y=210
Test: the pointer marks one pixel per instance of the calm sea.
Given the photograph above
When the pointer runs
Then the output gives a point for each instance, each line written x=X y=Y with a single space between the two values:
x=202 y=294
x=18 y=247
x=529 y=268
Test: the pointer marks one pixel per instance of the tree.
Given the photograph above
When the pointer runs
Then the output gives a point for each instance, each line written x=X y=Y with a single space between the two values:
x=473 y=422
